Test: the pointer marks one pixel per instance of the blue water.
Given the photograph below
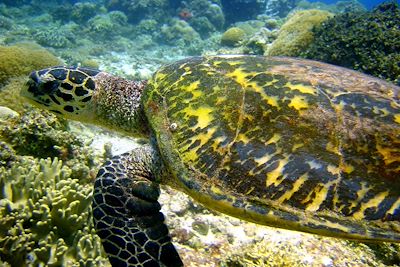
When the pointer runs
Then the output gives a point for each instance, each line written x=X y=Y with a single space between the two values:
x=367 y=3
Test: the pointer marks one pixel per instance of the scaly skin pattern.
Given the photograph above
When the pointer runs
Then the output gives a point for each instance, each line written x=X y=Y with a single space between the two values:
x=279 y=141
x=126 y=213
x=71 y=92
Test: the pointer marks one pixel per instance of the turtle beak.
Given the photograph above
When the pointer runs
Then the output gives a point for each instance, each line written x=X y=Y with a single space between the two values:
x=38 y=86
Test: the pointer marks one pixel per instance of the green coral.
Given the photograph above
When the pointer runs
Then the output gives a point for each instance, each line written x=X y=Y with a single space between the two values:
x=45 y=203
x=107 y=25
x=10 y=94
x=296 y=34
x=257 y=44
x=20 y=60
x=307 y=252
x=368 y=41
x=233 y=36
x=43 y=135
x=144 y=9
x=56 y=36
x=147 y=26
x=178 y=32
x=208 y=12
x=45 y=216
x=82 y=11
x=6 y=23
x=203 y=26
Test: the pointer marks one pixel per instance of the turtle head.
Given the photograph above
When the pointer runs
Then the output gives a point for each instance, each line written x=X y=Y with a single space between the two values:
x=65 y=91
x=88 y=95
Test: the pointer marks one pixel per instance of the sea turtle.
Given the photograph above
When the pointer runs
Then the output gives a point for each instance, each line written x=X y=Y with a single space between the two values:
x=278 y=141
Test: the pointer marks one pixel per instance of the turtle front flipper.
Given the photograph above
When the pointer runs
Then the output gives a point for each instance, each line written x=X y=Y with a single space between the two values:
x=127 y=214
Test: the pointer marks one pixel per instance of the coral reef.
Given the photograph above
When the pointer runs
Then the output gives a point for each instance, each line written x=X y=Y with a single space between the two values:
x=56 y=36
x=259 y=42
x=203 y=16
x=207 y=16
x=349 y=6
x=338 y=7
x=233 y=36
x=296 y=34
x=43 y=135
x=10 y=96
x=18 y=60
x=138 y=10
x=6 y=23
x=107 y=25
x=83 y=11
x=368 y=42
x=45 y=216
x=45 y=203
x=178 y=32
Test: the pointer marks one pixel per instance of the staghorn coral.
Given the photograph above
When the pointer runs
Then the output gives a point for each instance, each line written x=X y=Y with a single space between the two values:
x=56 y=36
x=20 y=60
x=296 y=34
x=367 y=41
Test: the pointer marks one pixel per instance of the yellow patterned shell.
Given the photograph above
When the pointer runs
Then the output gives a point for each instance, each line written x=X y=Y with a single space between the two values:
x=285 y=142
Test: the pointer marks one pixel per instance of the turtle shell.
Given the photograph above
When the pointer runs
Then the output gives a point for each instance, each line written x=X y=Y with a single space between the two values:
x=285 y=142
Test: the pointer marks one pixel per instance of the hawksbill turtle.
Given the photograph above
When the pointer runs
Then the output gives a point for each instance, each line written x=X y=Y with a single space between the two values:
x=278 y=141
